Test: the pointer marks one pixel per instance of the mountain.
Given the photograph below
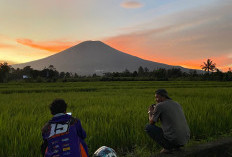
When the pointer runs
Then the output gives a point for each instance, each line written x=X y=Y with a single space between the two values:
x=91 y=57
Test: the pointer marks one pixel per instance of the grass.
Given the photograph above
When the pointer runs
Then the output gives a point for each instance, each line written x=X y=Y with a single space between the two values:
x=113 y=114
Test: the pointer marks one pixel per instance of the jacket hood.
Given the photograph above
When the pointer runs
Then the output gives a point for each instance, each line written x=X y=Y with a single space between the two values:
x=60 y=119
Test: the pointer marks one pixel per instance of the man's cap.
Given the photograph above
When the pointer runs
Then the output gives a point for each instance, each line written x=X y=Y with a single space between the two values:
x=162 y=92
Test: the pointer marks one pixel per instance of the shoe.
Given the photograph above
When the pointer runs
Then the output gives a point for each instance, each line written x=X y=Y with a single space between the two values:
x=166 y=151
x=177 y=149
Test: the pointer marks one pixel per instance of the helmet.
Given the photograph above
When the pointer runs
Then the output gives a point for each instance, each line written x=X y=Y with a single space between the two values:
x=105 y=152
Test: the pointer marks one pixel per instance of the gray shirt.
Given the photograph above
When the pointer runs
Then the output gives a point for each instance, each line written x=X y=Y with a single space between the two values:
x=173 y=121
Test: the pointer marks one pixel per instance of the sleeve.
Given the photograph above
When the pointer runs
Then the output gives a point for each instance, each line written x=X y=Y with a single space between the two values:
x=44 y=144
x=80 y=131
x=156 y=114
x=44 y=147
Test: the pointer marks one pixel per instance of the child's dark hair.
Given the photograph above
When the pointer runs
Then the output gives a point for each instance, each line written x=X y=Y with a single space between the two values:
x=58 y=106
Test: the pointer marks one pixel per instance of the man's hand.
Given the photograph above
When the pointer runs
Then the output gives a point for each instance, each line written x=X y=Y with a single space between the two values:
x=151 y=109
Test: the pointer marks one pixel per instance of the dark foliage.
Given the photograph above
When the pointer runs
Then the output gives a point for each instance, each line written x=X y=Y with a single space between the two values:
x=50 y=74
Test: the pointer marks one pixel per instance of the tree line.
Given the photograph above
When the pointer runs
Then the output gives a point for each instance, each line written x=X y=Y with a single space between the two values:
x=50 y=74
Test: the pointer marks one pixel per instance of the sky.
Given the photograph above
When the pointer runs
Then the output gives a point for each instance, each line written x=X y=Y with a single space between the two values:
x=174 y=32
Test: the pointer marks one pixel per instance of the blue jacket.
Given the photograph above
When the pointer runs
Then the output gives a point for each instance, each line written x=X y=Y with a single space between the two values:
x=64 y=136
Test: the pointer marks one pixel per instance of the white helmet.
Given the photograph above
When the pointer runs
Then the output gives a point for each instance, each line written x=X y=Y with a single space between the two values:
x=105 y=152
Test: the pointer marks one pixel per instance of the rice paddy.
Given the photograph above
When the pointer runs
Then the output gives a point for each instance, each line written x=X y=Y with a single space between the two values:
x=113 y=114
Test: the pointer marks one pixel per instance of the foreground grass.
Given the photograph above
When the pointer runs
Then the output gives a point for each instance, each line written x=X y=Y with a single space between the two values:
x=112 y=113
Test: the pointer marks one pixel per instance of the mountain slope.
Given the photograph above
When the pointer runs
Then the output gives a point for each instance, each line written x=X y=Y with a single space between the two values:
x=91 y=57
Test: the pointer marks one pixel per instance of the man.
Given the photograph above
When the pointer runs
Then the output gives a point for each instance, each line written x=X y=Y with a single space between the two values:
x=63 y=135
x=175 y=132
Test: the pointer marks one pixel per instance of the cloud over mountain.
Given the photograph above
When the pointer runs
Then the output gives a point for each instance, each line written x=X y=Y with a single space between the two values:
x=131 y=4
x=52 y=46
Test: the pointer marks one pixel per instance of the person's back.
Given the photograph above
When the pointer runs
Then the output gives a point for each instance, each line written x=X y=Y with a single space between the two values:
x=64 y=136
x=173 y=122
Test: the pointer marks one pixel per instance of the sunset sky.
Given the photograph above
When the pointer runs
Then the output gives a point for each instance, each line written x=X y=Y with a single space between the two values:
x=175 y=32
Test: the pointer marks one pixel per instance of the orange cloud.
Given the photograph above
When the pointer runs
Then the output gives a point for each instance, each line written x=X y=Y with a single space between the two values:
x=131 y=4
x=52 y=46
x=167 y=51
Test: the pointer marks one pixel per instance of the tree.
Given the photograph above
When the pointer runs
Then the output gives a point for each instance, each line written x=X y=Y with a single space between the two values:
x=146 y=71
x=208 y=66
x=140 y=71
x=135 y=74
x=67 y=75
x=161 y=74
x=219 y=75
x=27 y=70
x=62 y=75
x=4 y=71
x=174 y=72
x=50 y=73
x=126 y=73
x=76 y=75
x=229 y=70
x=51 y=67
x=193 y=73
x=228 y=75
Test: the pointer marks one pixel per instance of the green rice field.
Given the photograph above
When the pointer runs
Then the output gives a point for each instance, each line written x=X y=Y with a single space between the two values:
x=113 y=114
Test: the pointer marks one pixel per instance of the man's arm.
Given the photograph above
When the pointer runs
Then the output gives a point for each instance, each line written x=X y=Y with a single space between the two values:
x=151 y=117
x=80 y=131
x=154 y=114
x=151 y=114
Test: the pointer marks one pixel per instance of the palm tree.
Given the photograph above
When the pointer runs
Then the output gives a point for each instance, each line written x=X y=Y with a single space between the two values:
x=209 y=66
x=230 y=70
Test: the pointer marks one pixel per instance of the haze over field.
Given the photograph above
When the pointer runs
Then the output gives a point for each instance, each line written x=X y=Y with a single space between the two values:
x=174 y=32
